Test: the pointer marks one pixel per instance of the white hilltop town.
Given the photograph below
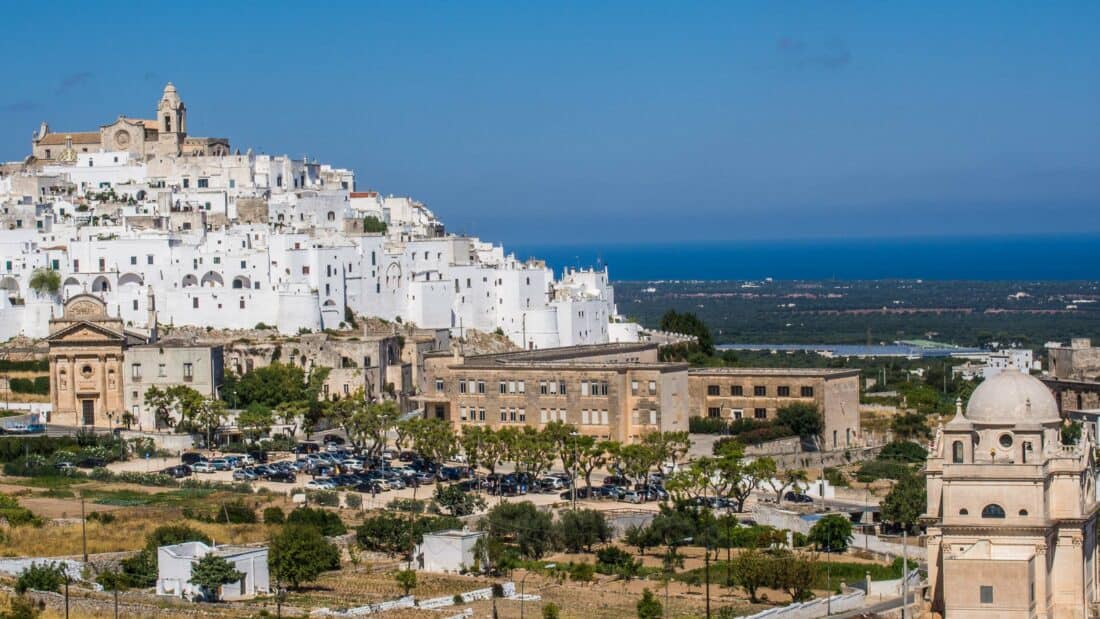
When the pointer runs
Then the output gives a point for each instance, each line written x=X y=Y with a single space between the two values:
x=183 y=230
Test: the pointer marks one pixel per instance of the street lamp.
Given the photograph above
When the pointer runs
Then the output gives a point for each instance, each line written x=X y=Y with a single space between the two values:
x=523 y=581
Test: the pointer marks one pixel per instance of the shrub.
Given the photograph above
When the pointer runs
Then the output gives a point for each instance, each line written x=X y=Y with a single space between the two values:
x=835 y=477
x=274 y=515
x=707 y=425
x=41 y=577
x=325 y=521
x=415 y=506
x=353 y=500
x=103 y=517
x=234 y=512
x=582 y=571
x=903 y=451
x=327 y=498
x=882 y=469
x=16 y=514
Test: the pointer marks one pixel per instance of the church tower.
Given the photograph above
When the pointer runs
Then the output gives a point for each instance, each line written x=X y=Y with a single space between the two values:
x=171 y=122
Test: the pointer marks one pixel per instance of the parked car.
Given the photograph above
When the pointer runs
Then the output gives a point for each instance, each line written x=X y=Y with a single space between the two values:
x=65 y=467
x=798 y=497
x=616 y=480
x=259 y=456
x=244 y=475
x=582 y=494
x=178 y=472
x=286 y=477
x=320 y=484
x=307 y=447
x=92 y=463
x=631 y=496
x=203 y=467
x=550 y=484
x=192 y=457
x=221 y=464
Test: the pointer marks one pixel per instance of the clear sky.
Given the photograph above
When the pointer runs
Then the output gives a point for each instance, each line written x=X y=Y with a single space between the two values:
x=614 y=122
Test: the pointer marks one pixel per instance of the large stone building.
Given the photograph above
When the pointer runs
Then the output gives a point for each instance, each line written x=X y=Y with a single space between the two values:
x=1011 y=511
x=1078 y=361
x=162 y=136
x=759 y=393
x=612 y=391
x=87 y=361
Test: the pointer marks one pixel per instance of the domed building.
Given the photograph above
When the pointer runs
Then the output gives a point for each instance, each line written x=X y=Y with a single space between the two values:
x=1011 y=511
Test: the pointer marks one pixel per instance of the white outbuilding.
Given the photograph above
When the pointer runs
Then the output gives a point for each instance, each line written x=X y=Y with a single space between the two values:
x=174 y=565
x=448 y=551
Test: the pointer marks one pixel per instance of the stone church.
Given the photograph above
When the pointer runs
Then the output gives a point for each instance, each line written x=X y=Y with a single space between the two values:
x=1011 y=511
x=165 y=135
x=87 y=360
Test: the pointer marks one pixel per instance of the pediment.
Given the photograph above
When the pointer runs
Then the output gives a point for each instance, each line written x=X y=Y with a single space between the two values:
x=86 y=333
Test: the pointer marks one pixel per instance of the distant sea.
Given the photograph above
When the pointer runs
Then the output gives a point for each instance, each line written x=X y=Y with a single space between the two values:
x=947 y=258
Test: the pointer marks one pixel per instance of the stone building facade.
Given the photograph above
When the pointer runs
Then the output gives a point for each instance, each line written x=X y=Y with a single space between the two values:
x=611 y=391
x=1011 y=511
x=167 y=364
x=1078 y=361
x=759 y=393
x=164 y=135
x=87 y=361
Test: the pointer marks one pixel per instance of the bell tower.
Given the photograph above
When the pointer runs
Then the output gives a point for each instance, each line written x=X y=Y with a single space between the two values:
x=171 y=122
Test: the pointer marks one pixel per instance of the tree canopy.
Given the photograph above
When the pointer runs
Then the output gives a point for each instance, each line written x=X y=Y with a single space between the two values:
x=211 y=572
x=299 y=554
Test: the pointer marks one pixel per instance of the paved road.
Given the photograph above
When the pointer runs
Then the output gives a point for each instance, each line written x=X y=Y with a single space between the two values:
x=881 y=607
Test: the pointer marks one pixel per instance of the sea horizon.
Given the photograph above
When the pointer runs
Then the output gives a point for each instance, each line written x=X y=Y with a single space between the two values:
x=1000 y=258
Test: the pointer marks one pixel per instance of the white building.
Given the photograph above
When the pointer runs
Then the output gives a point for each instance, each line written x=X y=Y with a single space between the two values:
x=990 y=364
x=232 y=240
x=174 y=565
x=448 y=551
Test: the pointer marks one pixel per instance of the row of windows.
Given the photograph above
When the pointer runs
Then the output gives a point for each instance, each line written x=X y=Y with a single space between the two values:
x=715 y=412
x=162 y=371
x=652 y=387
x=513 y=386
x=782 y=391
x=513 y=415
x=593 y=417
x=991 y=511
x=471 y=414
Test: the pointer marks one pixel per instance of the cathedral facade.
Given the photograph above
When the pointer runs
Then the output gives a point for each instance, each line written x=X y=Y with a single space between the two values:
x=1011 y=510
x=165 y=135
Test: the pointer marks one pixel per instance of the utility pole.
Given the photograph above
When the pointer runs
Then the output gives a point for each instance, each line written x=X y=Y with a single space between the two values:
x=904 y=573
x=67 y=578
x=706 y=572
x=83 y=528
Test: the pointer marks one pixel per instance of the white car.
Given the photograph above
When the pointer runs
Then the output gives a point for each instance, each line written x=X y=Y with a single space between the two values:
x=203 y=467
x=320 y=484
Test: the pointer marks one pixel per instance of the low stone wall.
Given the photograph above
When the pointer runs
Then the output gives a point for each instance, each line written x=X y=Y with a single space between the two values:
x=814 y=608
x=789 y=445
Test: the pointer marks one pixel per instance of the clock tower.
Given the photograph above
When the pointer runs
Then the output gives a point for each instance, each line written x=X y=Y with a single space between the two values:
x=171 y=122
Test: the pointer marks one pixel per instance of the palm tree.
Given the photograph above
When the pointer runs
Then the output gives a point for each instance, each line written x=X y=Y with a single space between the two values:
x=46 y=281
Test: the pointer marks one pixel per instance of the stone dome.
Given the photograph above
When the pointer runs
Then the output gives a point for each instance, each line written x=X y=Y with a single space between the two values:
x=1011 y=397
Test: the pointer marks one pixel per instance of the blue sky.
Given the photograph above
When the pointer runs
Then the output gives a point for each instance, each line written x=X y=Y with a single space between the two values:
x=615 y=122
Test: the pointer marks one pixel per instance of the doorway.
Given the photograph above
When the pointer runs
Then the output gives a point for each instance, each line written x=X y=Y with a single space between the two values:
x=88 y=409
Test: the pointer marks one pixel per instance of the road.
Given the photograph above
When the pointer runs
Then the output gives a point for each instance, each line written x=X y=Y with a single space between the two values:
x=874 y=609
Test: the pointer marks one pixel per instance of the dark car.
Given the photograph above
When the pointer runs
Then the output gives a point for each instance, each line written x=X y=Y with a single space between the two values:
x=92 y=463
x=334 y=439
x=370 y=487
x=616 y=480
x=797 y=497
x=407 y=456
x=260 y=457
x=178 y=472
x=307 y=447
x=192 y=457
x=582 y=493
x=287 y=477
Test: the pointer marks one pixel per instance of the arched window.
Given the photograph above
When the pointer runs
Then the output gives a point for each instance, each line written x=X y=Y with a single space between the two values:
x=993 y=511
x=964 y=512
x=957 y=452
x=1023 y=512
x=331 y=216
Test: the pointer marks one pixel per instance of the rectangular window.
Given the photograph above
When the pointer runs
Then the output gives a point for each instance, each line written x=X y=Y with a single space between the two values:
x=481 y=386
x=652 y=387
x=714 y=412
x=204 y=183
x=305 y=270
x=986 y=593
x=188 y=372
x=504 y=414
x=542 y=415
x=439 y=384
x=521 y=386
x=543 y=389
x=561 y=388
x=760 y=390
x=737 y=390
x=481 y=414
x=135 y=371
x=242 y=302
x=603 y=417
x=807 y=392
x=738 y=413
x=461 y=386
x=511 y=386
x=633 y=387
x=195 y=303
x=503 y=387
x=652 y=418
x=584 y=388
x=133 y=259
x=783 y=391
x=135 y=304
x=713 y=390
x=162 y=370
x=760 y=413
x=149 y=259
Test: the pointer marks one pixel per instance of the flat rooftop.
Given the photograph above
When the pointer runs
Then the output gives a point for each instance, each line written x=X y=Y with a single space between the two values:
x=797 y=372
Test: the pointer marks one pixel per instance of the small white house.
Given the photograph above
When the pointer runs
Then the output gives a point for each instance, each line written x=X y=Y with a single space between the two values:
x=174 y=570
x=448 y=551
